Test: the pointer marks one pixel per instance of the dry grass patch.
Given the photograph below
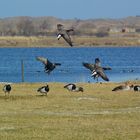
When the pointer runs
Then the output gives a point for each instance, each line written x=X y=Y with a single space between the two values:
x=46 y=41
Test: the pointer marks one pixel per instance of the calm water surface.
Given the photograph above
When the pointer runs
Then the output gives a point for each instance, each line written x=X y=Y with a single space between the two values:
x=125 y=64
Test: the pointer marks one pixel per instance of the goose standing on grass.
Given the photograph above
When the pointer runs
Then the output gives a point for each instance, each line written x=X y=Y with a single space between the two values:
x=7 y=88
x=124 y=87
x=64 y=33
x=49 y=66
x=96 y=70
x=73 y=87
x=137 y=88
x=44 y=90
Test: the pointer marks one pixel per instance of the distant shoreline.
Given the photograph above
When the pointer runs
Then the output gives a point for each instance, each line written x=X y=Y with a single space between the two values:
x=78 y=41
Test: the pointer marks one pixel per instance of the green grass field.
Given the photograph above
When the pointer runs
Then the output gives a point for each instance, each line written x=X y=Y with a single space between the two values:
x=96 y=114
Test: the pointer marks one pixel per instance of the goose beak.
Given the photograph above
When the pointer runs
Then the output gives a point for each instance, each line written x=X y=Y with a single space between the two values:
x=58 y=36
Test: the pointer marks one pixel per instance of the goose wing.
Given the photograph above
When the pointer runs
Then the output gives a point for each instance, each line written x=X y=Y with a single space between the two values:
x=67 y=39
x=45 y=61
x=89 y=66
x=69 y=31
x=42 y=59
x=102 y=74
x=39 y=89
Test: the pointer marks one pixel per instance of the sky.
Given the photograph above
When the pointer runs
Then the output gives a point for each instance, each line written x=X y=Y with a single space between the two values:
x=70 y=9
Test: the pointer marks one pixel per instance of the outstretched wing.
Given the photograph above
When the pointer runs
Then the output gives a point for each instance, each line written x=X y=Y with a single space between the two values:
x=45 y=61
x=69 y=31
x=89 y=66
x=101 y=73
x=67 y=39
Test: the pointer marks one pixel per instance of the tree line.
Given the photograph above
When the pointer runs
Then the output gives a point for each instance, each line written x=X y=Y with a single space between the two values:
x=46 y=26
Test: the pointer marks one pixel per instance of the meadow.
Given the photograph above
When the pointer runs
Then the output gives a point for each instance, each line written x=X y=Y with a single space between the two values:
x=95 y=114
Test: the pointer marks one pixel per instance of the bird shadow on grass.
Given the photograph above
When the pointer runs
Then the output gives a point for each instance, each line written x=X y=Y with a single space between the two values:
x=41 y=96
x=14 y=97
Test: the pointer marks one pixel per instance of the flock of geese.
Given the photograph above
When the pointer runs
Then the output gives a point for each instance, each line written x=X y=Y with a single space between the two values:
x=96 y=69
x=74 y=88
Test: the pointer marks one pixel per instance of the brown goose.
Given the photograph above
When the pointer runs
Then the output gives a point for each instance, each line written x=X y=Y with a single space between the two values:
x=126 y=86
x=49 y=66
x=97 y=70
x=64 y=33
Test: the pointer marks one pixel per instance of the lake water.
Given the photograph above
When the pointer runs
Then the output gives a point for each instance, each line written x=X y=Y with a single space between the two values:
x=124 y=61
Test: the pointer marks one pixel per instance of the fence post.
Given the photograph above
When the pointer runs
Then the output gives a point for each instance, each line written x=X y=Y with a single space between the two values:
x=22 y=70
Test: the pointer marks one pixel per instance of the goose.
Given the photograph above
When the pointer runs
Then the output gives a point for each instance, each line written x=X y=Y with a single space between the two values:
x=137 y=88
x=64 y=33
x=7 y=88
x=73 y=87
x=123 y=87
x=96 y=70
x=44 y=89
x=49 y=66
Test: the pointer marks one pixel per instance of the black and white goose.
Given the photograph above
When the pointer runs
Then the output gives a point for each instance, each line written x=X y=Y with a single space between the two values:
x=124 y=87
x=96 y=70
x=7 y=88
x=73 y=87
x=137 y=88
x=44 y=90
x=49 y=66
x=64 y=33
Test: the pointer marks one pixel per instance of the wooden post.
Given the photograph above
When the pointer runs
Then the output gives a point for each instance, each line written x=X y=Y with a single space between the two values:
x=22 y=70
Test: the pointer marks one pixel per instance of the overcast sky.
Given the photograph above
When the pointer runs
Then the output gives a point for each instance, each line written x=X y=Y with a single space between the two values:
x=69 y=9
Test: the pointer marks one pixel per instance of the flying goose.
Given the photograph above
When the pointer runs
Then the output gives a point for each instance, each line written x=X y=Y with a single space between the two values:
x=49 y=66
x=73 y=87
x=64 y=33
x=7 y=88
x=97 y=70
x=126 y=86
x=44 y=90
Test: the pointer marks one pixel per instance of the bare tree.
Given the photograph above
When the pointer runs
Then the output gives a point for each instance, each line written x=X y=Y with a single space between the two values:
x=25 y=27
